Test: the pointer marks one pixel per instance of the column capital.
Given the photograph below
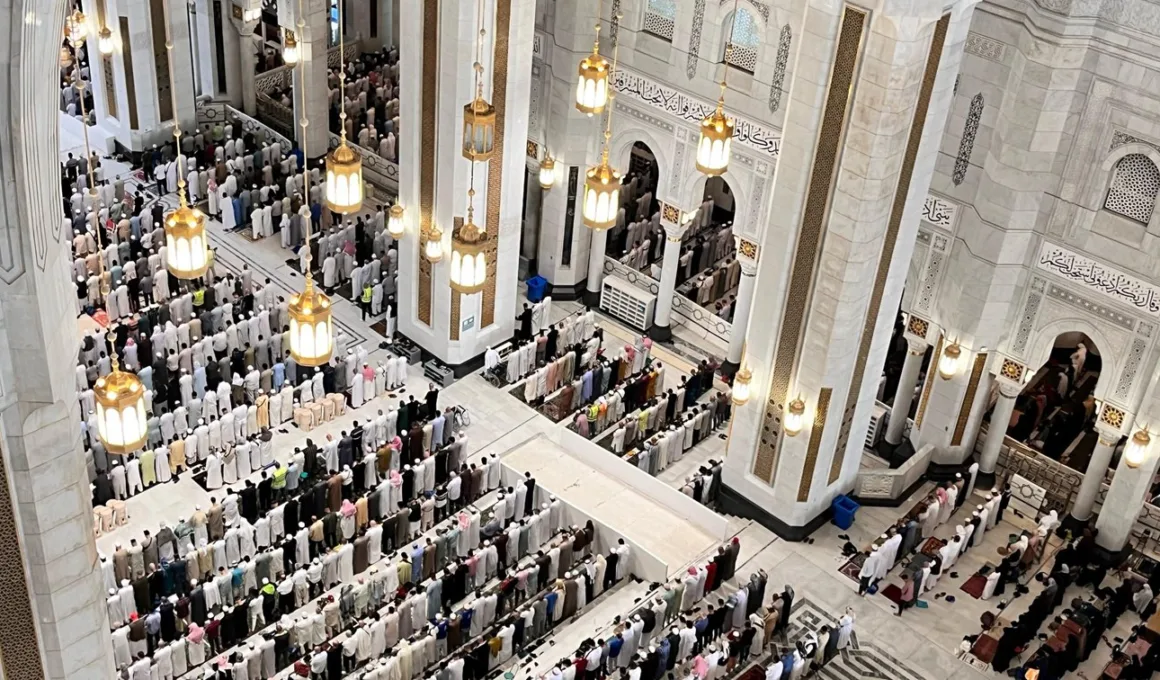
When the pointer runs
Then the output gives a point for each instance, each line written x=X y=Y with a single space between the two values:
x=748 y=268
x=1108 y=436
x=675 y=221
x=916 y=346
x=1113 y=419
x=1009 y=390
x=747 y=250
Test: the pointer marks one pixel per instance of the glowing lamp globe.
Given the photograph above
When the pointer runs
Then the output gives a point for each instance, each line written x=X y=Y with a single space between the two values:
x=121 y=421
x=186 y=244
x=547 y=173
x=105 y=42
x=1136 y=452
x=592 y=87
x=948 y=364
x=344 y=180
x=395 y=226
x=478 y=130
x=433 y=249
x=468 y=258
x=713 y=150
x=794 y=417
x=601 y=197
x=741 y=386
x=290 y=49
x=311 y=330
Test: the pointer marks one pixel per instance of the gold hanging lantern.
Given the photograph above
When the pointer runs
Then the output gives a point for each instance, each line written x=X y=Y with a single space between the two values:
x=741 y=386
x=478 y=129
x=105 y=42
x=714 y=147
x=948 y=364
x=433 y=249
x=344 y=180
x=289 y=48
x=395 y=226
x=795 y=417
x=1136 y=452
x=75 y=28
x=601 y=196
x=121 y=420
x=311 y=331
x=547 y=173
x=592 y=85
x=468 y=254
x=186 y=247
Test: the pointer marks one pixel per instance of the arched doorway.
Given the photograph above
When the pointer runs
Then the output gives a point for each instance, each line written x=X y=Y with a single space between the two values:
x=1056 y=410
x=640 y=241
x=709 y=271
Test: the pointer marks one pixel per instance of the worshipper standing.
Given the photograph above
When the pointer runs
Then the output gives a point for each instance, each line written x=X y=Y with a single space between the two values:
x=909 y=595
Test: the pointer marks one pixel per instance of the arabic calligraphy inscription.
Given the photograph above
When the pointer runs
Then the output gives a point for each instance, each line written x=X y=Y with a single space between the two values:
x=1099 y=277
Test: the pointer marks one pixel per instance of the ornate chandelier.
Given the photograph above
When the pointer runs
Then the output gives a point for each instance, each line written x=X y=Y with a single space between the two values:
x=592 y=90
x=714 y=147
x=468 y=251
x=602 y=182
x=311 y=329
x=344 y=179
x=186 y=244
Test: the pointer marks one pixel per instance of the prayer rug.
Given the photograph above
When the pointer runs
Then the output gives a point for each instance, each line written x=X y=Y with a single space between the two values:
x=984 y=649
x=932 y=545
x=974 y=586
x=854 y=565
x=893 y=593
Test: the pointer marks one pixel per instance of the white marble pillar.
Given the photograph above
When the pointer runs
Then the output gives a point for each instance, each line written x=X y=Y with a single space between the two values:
x=662 y=325
x=1093 y=477
x=534 y=196
x=1126 y=497
x=997 y=430
x=247 y=63
x=312 y=44
x=904 y=395
x=57 y=625
x=596 y=268
x=741 y=314
x=438 y=48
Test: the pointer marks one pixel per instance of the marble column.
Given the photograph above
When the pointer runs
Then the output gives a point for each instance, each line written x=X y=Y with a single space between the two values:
x=904 y=395
x=438 y=49
x=1126 y=497
x=1093 y=477
x=57 y=626
x=740 y=323
x=530 y=233
x=596 y=269
x=997 y=430
x=247 y=64
x=662 y=325
x=873 y=107
x=312 y=32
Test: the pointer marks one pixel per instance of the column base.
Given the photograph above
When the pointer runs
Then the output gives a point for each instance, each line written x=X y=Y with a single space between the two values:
x=661 y=333
x=1071 y=524
x=729 y=369
x=733 y=503
x=567 y=293
x=591 y=299
x=985 y=480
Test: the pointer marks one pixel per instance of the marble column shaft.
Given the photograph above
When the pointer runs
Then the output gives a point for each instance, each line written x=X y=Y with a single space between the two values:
x=997 y=430
x=669 y=264
x=741 y=311
x=904 y=395
x=1093 y=477
x=596 y=265
x=1129 y=491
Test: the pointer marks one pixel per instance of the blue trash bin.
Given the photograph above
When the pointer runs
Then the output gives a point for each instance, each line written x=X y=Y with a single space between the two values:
x=844 y=511
x=537 y=287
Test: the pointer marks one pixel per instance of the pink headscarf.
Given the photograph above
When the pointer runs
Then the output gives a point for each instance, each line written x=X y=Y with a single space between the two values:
x=464 y=520
x=196 y=633
x=396 y=478
x=347 y=509
x=368 y=373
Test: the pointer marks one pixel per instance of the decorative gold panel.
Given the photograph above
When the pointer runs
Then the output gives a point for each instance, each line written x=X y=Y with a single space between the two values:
x=130 y=80
x=18 y=637
x=110 y=86
x=427 y=152
x=969 y=398
x=1112 y=416
x=533 y=150
x=931 y=376
x=237 y=10
x=670 y=213
x=503 y=17
x=810 y=233
x=815 y=444
x=915 y=325
x=1012 y=370
x=456 y=296
x=748 y=249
